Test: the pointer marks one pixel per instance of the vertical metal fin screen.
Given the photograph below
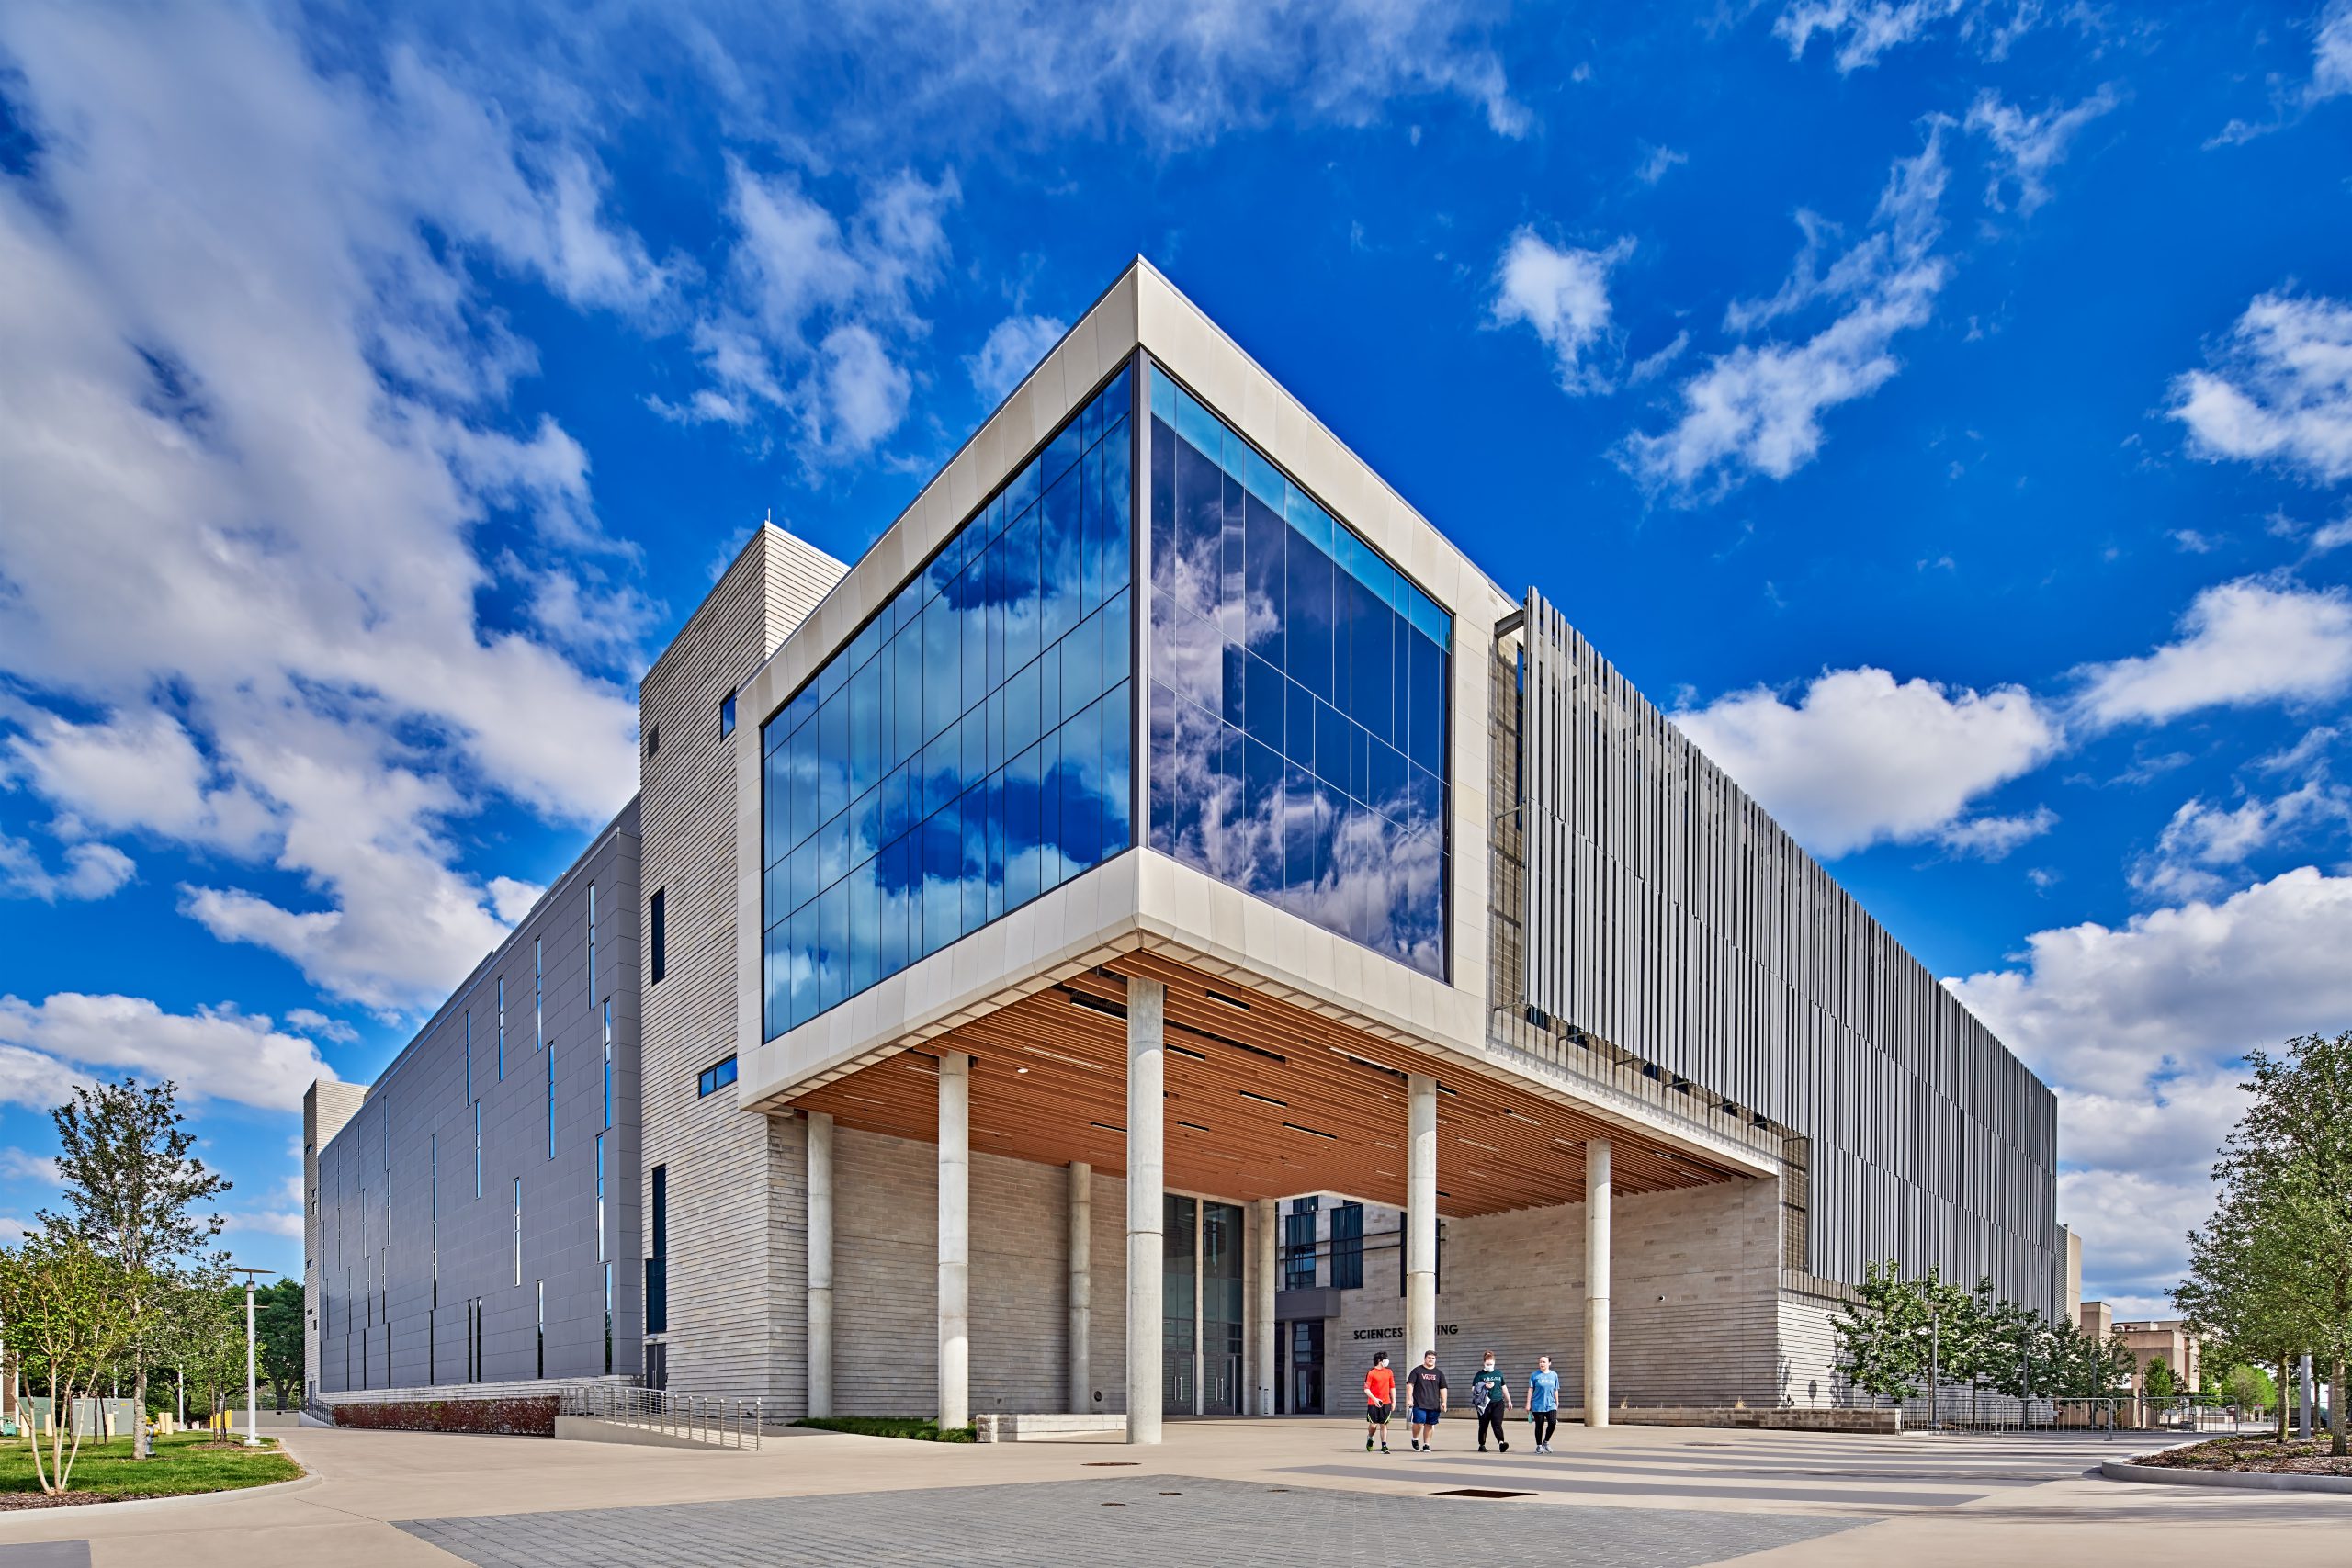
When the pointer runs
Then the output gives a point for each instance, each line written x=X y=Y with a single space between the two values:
x=1668 y=916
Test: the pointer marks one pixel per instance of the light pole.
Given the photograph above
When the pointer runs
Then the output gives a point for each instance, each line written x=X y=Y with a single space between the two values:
x=253 y=1412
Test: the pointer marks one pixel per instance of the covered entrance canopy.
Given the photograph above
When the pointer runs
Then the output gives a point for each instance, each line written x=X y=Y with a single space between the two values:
x=1264 y=1100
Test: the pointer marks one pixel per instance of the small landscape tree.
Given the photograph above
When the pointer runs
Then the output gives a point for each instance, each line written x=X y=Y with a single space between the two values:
x=69 y=1309
x=132 y=1181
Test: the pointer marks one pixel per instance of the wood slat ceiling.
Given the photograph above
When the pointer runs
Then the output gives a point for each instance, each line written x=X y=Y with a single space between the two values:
x=1264 y=1100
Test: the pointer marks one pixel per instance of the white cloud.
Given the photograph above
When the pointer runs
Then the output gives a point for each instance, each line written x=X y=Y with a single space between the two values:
x=319 y=1026
x=1861 y=31
x=214 y=1053
x=1563 y=294
x=1657 y=163
x=2029 y=146
x=2278 y=390
x=2184 y=988
x=1015 y=347
x=287 y=1222
x=2332 y=52
x=2331 y=535
x=1992 y=838
x=1860 y=759
x=2139 y=1029
x=92 y=871
x=2242 y=642
x=2331 y=77
x=17 y=1165
x=935 y=69
x=1757 y=409
x=2201 y=841
x=253 y=390
x=816 y=310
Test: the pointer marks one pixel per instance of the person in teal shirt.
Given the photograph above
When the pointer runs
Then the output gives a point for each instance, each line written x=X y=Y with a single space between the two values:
x=1544 y=1403
x=1490 y=1397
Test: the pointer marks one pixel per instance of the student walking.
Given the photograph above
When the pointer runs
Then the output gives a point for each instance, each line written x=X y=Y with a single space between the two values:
x=1425 y=1387
x=1490 y=1397
x=1379 y=1401
x=1544 y=1403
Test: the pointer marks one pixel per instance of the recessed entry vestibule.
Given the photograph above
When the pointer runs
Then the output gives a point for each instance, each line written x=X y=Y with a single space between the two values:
x=1260 y=1099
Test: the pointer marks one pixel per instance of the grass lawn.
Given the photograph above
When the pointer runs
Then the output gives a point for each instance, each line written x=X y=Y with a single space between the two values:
x=916 y=1427
x=184 y=1463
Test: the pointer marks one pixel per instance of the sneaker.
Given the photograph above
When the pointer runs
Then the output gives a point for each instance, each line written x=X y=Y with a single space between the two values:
x=1367 y=1445
x=1417 y=1445
x=1383 y=1448
x=1482 y=1448
x=1503 y=1447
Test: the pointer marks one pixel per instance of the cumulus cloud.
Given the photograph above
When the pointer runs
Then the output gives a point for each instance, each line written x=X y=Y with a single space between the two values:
x=2241 y=643
x=217 y=1053
x=2026 y=147
x=1562 y=294
x=1014 y=348
x=91 y=870
x=1860 y=759
x=17 y=1165
x=2202 y=841
x=1757 y=409
x=2140 y=1030
x=2278 y=389
x=252 y=415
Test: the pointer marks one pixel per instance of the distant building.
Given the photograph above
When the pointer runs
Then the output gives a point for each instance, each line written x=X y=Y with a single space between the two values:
x=1161 y=926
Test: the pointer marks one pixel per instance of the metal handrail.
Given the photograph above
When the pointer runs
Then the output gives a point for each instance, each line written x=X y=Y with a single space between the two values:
x=713 y=1419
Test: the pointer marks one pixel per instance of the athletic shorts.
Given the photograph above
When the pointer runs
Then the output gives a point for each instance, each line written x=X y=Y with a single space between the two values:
x=1377 y=1414
x=1424 y=1417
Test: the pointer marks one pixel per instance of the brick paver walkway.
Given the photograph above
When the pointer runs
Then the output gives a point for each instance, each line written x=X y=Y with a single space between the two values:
x=1111 y=1520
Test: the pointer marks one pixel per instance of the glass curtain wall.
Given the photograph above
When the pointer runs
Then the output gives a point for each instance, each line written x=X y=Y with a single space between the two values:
x=1221 y=1243
x=969 y=748
x=1298 y=689
x=1179 y=1234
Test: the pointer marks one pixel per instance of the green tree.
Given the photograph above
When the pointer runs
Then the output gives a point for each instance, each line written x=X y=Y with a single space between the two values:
x=278 y=1327
x=1879 y=1334
x=2156 y=1378
x=69 y=1309
x=132 y=1181
x=2246 y=1386
x=2241 y=1290
x=2288 y=1162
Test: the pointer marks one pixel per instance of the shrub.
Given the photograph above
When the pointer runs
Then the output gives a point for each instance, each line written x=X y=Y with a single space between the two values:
x=528 y=1416
x=915 y=1427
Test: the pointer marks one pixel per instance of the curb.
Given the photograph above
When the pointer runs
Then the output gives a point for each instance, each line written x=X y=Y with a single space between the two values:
x=300 y=1482
x=2239 y=1480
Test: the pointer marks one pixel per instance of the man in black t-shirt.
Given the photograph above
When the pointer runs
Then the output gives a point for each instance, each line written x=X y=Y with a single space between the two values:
x=1425 y=1392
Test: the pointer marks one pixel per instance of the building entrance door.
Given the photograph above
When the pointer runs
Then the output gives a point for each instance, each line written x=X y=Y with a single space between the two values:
x=1307 y=1369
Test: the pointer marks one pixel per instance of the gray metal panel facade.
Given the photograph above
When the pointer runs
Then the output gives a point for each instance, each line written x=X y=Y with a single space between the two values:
x=1667 y=914
x=399 y=1226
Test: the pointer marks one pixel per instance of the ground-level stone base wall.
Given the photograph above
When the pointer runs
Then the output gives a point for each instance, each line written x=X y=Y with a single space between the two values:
x=885 y=1282
x=1808 y=1377
x=1694 y=1300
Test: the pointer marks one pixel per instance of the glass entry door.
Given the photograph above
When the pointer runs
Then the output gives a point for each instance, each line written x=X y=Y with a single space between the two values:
x=1221 y=1309
x=1305 y=1369
x=1180 y=1302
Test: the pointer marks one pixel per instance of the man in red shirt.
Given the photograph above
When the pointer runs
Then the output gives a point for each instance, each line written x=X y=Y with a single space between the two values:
x=1379 y=1399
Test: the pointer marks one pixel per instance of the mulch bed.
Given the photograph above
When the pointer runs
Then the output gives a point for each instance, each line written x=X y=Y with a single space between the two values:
x=2256 y=1454
x=12 y=1500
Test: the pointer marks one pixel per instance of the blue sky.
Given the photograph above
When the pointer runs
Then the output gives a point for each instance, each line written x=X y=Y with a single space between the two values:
x=1944 y=408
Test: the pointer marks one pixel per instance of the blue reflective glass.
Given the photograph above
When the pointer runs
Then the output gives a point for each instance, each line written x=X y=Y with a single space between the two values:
x=1298 y=719
x=919 y=785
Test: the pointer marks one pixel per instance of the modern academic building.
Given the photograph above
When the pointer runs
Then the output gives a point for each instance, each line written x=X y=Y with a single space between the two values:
x=1160 y=927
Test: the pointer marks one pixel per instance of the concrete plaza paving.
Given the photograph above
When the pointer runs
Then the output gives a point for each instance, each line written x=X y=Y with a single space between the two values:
x=1222 y=1491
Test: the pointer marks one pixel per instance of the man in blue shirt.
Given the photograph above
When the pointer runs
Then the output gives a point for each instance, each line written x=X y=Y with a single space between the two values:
x=1544 y=1403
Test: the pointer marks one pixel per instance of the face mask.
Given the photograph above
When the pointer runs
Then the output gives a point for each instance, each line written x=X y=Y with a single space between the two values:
x=1490 y=1366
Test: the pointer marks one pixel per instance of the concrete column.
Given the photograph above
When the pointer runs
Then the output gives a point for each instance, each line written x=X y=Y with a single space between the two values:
x=2308 y=1391
x=821 y=1263
x=954 y=1239
x=1596 y=1283
x=1262 y=1307
x=1081 y=1287
x=1421 y=1219
x=1147 y=1188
